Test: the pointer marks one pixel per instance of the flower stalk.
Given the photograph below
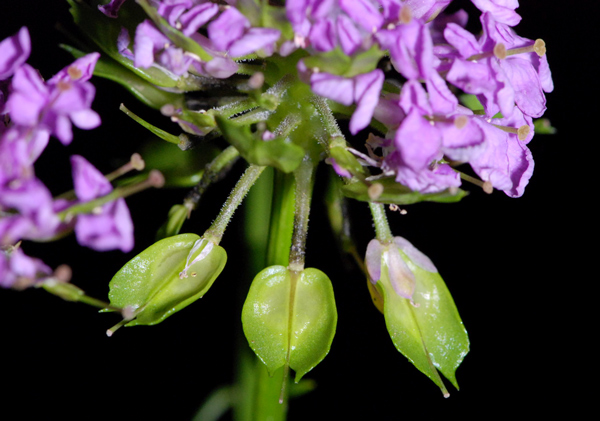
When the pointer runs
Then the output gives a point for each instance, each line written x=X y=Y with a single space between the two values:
x=215 y=233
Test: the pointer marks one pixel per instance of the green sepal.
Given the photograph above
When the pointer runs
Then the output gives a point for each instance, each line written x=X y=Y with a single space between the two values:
x=279 y=298
x=150 y=283
x=338 y=63
x=399 y=194
x=64 y=290
x=428 y=331
x=345 y=159
x=277 y=153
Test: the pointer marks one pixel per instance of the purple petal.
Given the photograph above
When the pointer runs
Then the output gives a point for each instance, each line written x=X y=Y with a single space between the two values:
x=88 y=181
x=80 y=70
x=197 y=16
x=502 y=10
x=349 y=37
x=373 y=260
x=527 y=87
x=417 y=141
x=254 y=40
x=362 y=12
x=111 y=9
x=337 y=88
x=111 y=229
x=229 y=27
x=415 y=255
x=322 y=35
x=14 y=51
x=426 y=9
x=367 y=88
x=85 y=119
x=401 y=277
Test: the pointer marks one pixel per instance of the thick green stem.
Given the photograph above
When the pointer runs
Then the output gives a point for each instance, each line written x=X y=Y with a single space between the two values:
x=257 y=393
x=382 y=228
x=217 y=229
x=282 y=220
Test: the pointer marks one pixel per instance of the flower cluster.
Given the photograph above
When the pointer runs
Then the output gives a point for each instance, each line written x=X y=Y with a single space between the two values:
x=32 y=110
x=272 y=79
x=426 y=131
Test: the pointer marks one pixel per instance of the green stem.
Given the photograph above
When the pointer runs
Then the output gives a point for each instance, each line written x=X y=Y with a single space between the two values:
x=212 y=172
x=155 y=179
x=382 y=228
x=257 y=393
x=282 y=220
x=217 y=229
x=304 y=176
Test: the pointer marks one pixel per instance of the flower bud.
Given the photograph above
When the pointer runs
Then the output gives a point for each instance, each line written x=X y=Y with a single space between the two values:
x=166 y=277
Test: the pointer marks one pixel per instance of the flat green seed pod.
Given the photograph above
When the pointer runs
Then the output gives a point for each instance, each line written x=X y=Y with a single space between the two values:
x=151 y=285
x=290 y=318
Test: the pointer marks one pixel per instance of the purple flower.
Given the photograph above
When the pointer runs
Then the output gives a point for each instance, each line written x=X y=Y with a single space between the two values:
x=363 y=90
x=19 y=149
x=14 y=51
x=29 y=209
x=108 y=227
x=483 y=68
x=345 y=23
x=151 y=45
x=111 y=9
x=505 y=162
x=187 y=15
x=17 y=270
x=232 y=32
x=387 y=259
x=502 y=10
x=393 y=263
x=411 y=50
x=53 y=106
x=426 y=9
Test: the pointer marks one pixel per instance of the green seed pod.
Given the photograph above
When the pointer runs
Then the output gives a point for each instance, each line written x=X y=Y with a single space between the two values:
x=289 y=318
x=419 y=311
x=166 y=277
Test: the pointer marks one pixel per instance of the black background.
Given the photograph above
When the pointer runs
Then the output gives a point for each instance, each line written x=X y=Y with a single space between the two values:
x=513 y=266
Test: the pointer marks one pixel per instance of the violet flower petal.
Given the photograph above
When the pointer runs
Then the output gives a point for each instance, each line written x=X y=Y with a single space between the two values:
x=14 y=51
